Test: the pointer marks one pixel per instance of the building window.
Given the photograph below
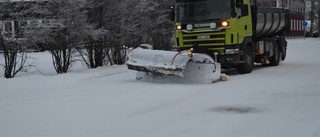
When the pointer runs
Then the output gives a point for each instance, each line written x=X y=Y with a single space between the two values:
x=300 y=7
x=1 y=26
x=8 y=26
x=23 y=24
x=297 y=26
x=291 y=24
x=300 y=25
x=294 y=24
x=34 y=23
x=45 y=23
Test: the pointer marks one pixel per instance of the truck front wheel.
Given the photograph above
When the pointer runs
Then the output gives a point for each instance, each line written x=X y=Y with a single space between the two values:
x=248 y=64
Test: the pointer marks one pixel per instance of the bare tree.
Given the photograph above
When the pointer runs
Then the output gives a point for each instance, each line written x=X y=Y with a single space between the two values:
x=12 y=31
x=66 y=34
x=318 y=12
x=94 y=51
x=312 y=16
x=114 y=18
x=97 y=42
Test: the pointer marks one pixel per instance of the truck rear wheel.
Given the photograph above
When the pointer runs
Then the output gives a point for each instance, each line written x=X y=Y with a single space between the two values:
x=275 y=59
x=283 y=52
x=248 y=64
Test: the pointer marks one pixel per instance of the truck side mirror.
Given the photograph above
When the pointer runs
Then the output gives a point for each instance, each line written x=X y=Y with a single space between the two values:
x=242 y=10
x=172 y=13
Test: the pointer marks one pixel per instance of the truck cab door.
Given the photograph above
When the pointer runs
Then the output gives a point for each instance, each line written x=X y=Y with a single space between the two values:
x=244 y=20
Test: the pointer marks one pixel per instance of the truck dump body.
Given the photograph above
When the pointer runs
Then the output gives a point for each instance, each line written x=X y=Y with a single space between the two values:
x=271 y=21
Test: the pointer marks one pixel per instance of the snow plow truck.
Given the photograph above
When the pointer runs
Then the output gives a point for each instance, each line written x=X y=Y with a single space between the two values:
x=217 y=34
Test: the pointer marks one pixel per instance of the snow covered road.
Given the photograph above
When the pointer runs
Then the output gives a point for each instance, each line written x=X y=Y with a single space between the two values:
x=282 y=101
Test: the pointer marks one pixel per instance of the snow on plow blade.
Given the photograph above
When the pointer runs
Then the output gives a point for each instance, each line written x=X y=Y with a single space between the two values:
x=158 y=63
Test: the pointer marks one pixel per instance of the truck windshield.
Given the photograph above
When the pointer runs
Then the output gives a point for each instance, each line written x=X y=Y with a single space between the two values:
x=203 y=10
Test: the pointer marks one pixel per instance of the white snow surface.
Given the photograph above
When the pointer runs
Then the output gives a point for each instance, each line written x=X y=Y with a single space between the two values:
x=282 y=101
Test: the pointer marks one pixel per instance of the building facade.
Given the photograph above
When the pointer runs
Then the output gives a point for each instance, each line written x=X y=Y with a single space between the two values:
x=297 y=17
x=16 y=19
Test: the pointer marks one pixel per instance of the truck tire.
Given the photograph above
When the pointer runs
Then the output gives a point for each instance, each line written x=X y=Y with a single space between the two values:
x=248 y=64
x=275 y=59
x=283 y=52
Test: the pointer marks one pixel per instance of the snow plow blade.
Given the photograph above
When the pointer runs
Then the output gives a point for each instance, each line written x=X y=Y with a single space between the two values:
x=193 y=67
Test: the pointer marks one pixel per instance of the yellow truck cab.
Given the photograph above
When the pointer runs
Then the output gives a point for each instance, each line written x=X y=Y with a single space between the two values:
x=240 y=31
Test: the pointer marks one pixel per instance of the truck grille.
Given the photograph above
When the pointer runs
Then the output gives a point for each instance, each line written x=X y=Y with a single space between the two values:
x=206 y=39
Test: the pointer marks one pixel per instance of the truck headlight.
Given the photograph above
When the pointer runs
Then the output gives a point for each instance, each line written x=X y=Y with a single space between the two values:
x=213 y=25
x=189 y=27
x=232 y=51
x=224 y=24
x=179 y=27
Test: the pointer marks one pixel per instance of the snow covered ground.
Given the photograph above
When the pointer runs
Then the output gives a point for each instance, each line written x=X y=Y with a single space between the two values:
x=282 y=101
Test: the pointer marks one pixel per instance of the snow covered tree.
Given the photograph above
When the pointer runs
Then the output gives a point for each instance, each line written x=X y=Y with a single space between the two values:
x=314 y=16
x=99 y=30
x=163 y=31
x=148 y=22
x=318 y=18
x=114 y=17
x=97 y=48
x=125 y=23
